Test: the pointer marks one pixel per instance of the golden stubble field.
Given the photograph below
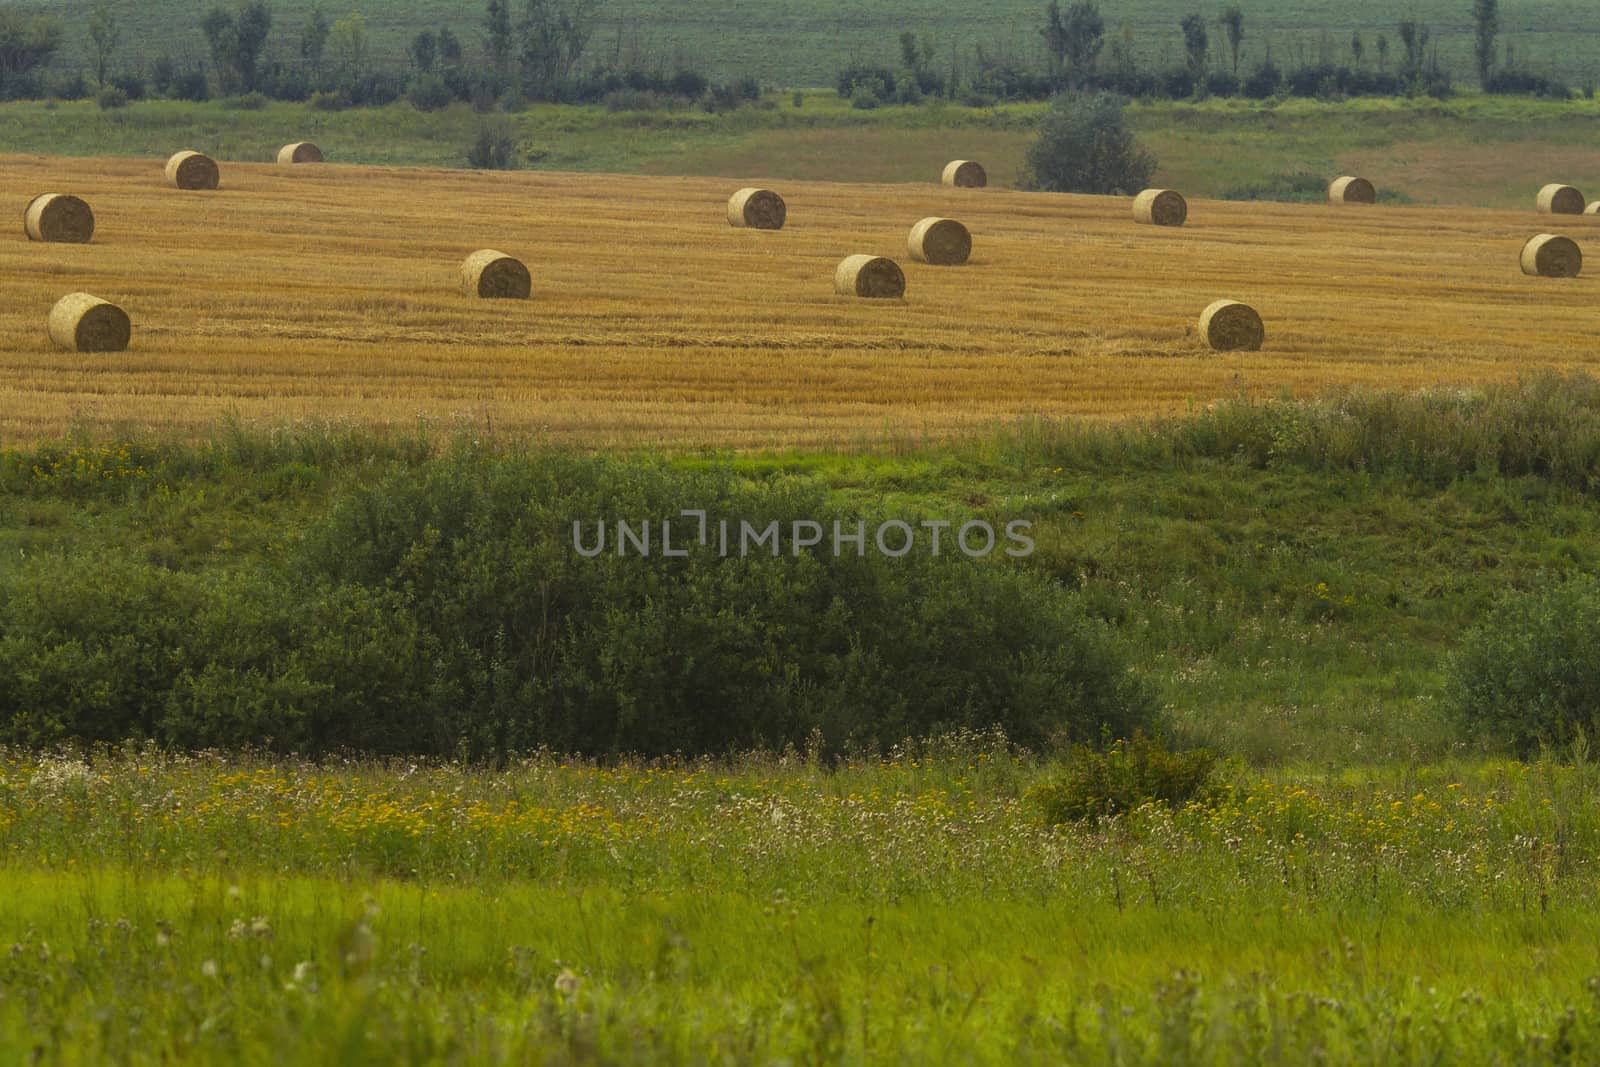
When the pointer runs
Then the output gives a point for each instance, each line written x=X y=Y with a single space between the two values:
x=330 y=292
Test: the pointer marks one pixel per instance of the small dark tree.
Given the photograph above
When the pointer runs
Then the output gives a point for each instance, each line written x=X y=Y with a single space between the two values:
x=497 y=35
x=424 y=50
x=1054 y=33
x=26 y=42
x=314 y=39
x=1383 y=51
x=1195 y=43
x=223 y=39
x=1485 y=25
x=251 y=27
x=1086 y=32
x=551 y=39
x=236 y=42
x=1233 y=26
x=1084 y=147
x=449 y=48
x=104 y=33
x=1357 y=49
x=1414 y=39
x=493 y=150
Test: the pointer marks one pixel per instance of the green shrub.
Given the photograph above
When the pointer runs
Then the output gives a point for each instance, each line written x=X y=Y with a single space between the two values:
x=1123 y=776
x=1529 y=673
x=493 y=150
x=251 y=101
x=328 y=101
x=429 y=93
x=1084 y=147
x=111 y=97
x=445 y=611
x=706 y=654
x=95 y=649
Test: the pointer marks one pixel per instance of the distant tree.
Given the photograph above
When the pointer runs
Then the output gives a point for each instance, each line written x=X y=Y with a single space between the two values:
x=1195 y=43
x=1084 y=147
x=104 y=34
x=1485 y=25
x=314 y=39
x=236 y=42
x=348 y=39
x=1357 y=49
x=1054 y=33
x=552 y=37
x=1086 y=32
x=497 y=35
x=26 y=42
x=449 y=48
x=253 y=23
x=424 y=50
x=1414 y=39
x=1383 y=51
x=1233 y=26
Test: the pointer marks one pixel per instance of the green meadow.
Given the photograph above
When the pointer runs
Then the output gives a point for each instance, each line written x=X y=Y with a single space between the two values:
x=1369 y=877
x=1474 y=150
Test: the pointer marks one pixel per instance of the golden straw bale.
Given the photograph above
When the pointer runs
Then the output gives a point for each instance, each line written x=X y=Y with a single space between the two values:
x=941 y=242
x=492 y=274
x=1550 y=256
x=756 y=209
x=300 y=152
x=869 y=276
x=1558 y=199
x=1160 y=207
x=191 y=170
x=83 y=323
x=965 y=174
x=1349 y=190
x=58 y=217
x=1227 y=325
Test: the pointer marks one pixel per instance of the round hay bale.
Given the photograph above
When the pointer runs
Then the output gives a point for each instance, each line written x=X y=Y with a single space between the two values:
x=756 y=209
x=1349 y=190
x=1228 y=326
x=83 y=323
x=495 y=275
x=58 y=217
x=942 y=242
x=1550 y=256
x=870 y=276
x=300 y=152
x=965 y=174
x=1558 y=199
x=1160 y=207
x=1593 y=208
x=191 y=170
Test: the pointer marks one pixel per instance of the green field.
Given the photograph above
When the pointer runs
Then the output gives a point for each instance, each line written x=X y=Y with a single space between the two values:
x=1369 y=882
x=1472 y=150
x=806 y=42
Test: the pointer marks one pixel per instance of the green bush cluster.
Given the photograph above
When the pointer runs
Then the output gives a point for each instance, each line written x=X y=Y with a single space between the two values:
x=1529 y=673
x=1122 y=776
x=444 y=610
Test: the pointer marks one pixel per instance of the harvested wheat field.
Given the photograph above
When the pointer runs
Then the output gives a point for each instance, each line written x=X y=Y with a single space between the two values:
x=657 y=322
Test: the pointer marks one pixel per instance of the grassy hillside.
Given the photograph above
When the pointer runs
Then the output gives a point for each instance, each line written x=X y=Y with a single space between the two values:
x=806 y=42
x=1367 y=887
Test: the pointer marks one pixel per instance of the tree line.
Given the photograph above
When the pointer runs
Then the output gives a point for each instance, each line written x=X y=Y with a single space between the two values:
x=523 y=50
x=1079 y=55
x=541 y=50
